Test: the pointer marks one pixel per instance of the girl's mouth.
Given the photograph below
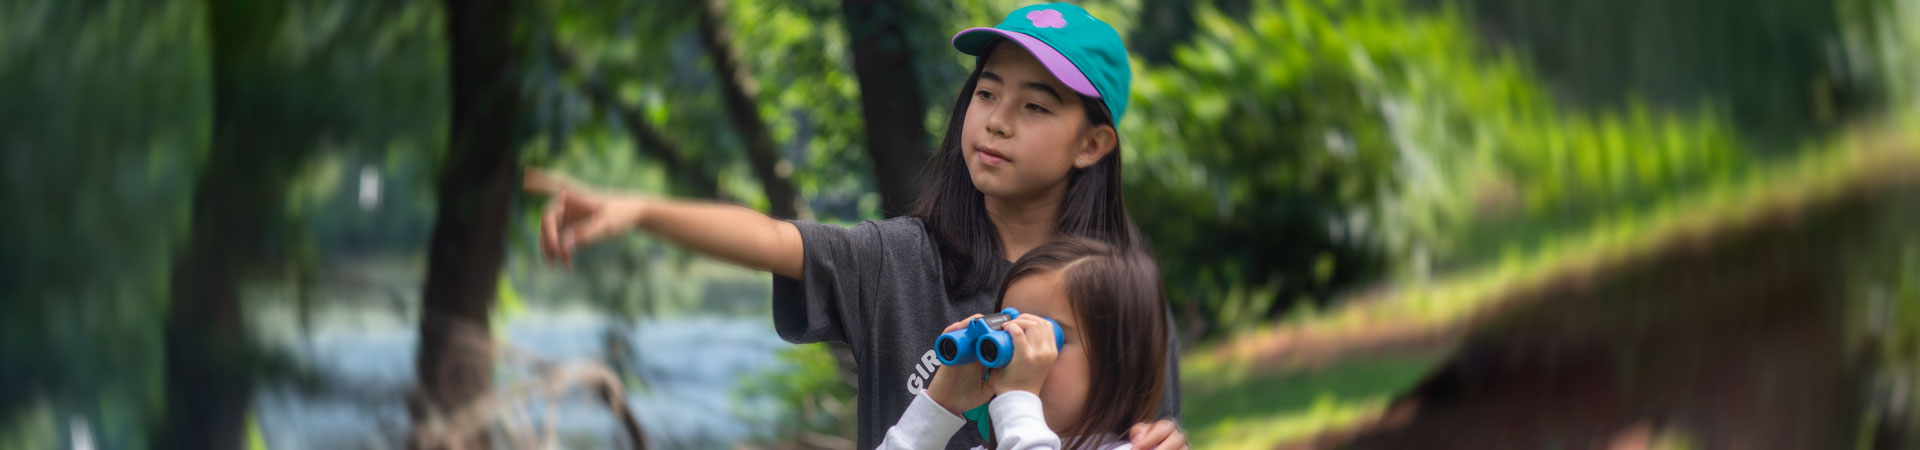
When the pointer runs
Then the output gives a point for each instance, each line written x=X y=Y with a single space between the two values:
x=991 y=157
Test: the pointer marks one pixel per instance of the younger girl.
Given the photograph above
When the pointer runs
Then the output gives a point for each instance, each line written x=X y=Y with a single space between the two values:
x=1105 y=377
x=1030 y=154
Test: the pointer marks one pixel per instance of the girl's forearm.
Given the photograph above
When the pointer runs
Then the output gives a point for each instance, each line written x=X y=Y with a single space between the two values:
x=730 y=233
x=926 y=424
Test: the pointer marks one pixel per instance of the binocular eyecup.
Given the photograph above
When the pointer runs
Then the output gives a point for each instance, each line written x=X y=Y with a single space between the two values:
x=984 y=340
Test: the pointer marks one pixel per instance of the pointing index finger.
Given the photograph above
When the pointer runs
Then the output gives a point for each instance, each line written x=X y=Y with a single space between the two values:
x=540 y=182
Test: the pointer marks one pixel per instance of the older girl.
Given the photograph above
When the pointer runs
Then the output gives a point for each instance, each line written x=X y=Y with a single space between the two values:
x=1030 y=154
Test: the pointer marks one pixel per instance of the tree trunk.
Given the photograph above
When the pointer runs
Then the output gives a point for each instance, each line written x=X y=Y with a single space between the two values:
x=739 y=91
x=476 y=188
x=890 y=99
x=208 y=384
x=235 y=198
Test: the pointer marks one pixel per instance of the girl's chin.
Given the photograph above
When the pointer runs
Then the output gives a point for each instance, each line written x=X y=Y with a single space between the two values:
x=984 y=183
x=999 y=188
x=992 y=186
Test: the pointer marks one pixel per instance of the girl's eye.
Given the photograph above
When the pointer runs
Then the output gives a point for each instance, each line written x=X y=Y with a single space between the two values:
x=983 y=94
x=1036 y=108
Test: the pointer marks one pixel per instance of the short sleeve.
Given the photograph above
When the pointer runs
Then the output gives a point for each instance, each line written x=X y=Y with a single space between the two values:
x=846 y=271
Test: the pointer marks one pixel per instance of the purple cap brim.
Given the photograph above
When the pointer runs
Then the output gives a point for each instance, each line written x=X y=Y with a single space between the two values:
x=1058 y=64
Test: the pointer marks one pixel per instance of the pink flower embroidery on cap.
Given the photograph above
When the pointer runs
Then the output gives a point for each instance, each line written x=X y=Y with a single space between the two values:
x=1047 y=18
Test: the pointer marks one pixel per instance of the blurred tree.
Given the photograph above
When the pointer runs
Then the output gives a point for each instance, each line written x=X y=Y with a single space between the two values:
x=814 y=384
x=1882 y=50
x=208 y=352
x=1306 y=148
x=800 y=51
x=601 y=49
x=697 y=180
x=1773 y=64
x=891 y=102
x=96 y=167
x=290 y=80
x=476 y=188
x=1162 y=25
x=740 y=92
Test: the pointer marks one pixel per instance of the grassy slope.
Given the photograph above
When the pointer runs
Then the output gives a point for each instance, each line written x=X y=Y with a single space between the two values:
x=1308 y=374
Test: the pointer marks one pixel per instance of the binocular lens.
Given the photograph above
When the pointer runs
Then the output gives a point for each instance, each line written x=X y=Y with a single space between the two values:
x=988 y=351
x=948 y=351
x=983 y=341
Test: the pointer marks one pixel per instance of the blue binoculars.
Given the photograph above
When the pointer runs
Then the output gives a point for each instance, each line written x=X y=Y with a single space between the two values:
x=983 y=340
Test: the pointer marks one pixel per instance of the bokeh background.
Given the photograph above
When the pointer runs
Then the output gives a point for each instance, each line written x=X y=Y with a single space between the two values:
x=1572 y=224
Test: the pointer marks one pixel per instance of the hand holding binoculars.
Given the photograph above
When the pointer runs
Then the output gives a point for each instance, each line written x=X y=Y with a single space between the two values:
x=984 y=340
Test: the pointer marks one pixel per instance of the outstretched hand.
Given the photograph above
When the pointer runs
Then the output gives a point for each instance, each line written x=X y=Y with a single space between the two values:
x=575 y=216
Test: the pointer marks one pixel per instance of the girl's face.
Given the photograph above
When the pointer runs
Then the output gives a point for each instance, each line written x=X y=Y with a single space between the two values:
x=1025 y=130
x=1065 y=391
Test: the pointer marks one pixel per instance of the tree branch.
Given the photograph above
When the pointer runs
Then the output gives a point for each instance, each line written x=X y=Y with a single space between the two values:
x=738 y=90
x=648 y=141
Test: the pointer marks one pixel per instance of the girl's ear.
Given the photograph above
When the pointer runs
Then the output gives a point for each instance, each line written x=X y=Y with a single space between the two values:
x=1096 y=143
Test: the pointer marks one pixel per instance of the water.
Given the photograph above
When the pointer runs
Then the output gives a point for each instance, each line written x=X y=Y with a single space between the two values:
x=689 y=371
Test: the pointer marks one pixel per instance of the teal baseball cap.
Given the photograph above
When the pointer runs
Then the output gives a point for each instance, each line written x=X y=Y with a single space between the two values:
x=1080 y=50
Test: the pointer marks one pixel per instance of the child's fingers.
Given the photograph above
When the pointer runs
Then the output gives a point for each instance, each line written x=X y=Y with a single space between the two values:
x=540 y=182
x=588 y=233
x=956 y=326
x=1155 y=435
x=1031 y=357
x=1175 y=441
x=1018 y=331
x=550 y=227
x=594 y=230
x=1029 y=338
x=1040 y=341
x=1033 y=329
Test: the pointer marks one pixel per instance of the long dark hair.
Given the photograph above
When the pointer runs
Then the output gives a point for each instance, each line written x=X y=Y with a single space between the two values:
x=1120 y=304
x=955 y=212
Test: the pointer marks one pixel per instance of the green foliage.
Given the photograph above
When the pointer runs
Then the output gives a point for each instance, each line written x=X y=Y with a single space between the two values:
x=94 y=168
x=1279 y=154
x=1882 y=286
x=255 y=440
x=1771 y=66
x=107 y=117
x=33 y=426
x=1883 y=48
x=1317 y=145
x=650 y=53
x=798 y=54
x=811 y=386
x=1228 y=408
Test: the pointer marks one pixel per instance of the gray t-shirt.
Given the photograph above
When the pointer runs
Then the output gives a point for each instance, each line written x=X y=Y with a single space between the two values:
x=878 y=288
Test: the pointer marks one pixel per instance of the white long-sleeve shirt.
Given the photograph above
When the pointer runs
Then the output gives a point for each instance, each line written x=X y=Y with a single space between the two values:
x=1018 y=422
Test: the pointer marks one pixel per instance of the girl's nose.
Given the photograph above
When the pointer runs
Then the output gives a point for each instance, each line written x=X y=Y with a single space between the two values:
x=997 y=123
